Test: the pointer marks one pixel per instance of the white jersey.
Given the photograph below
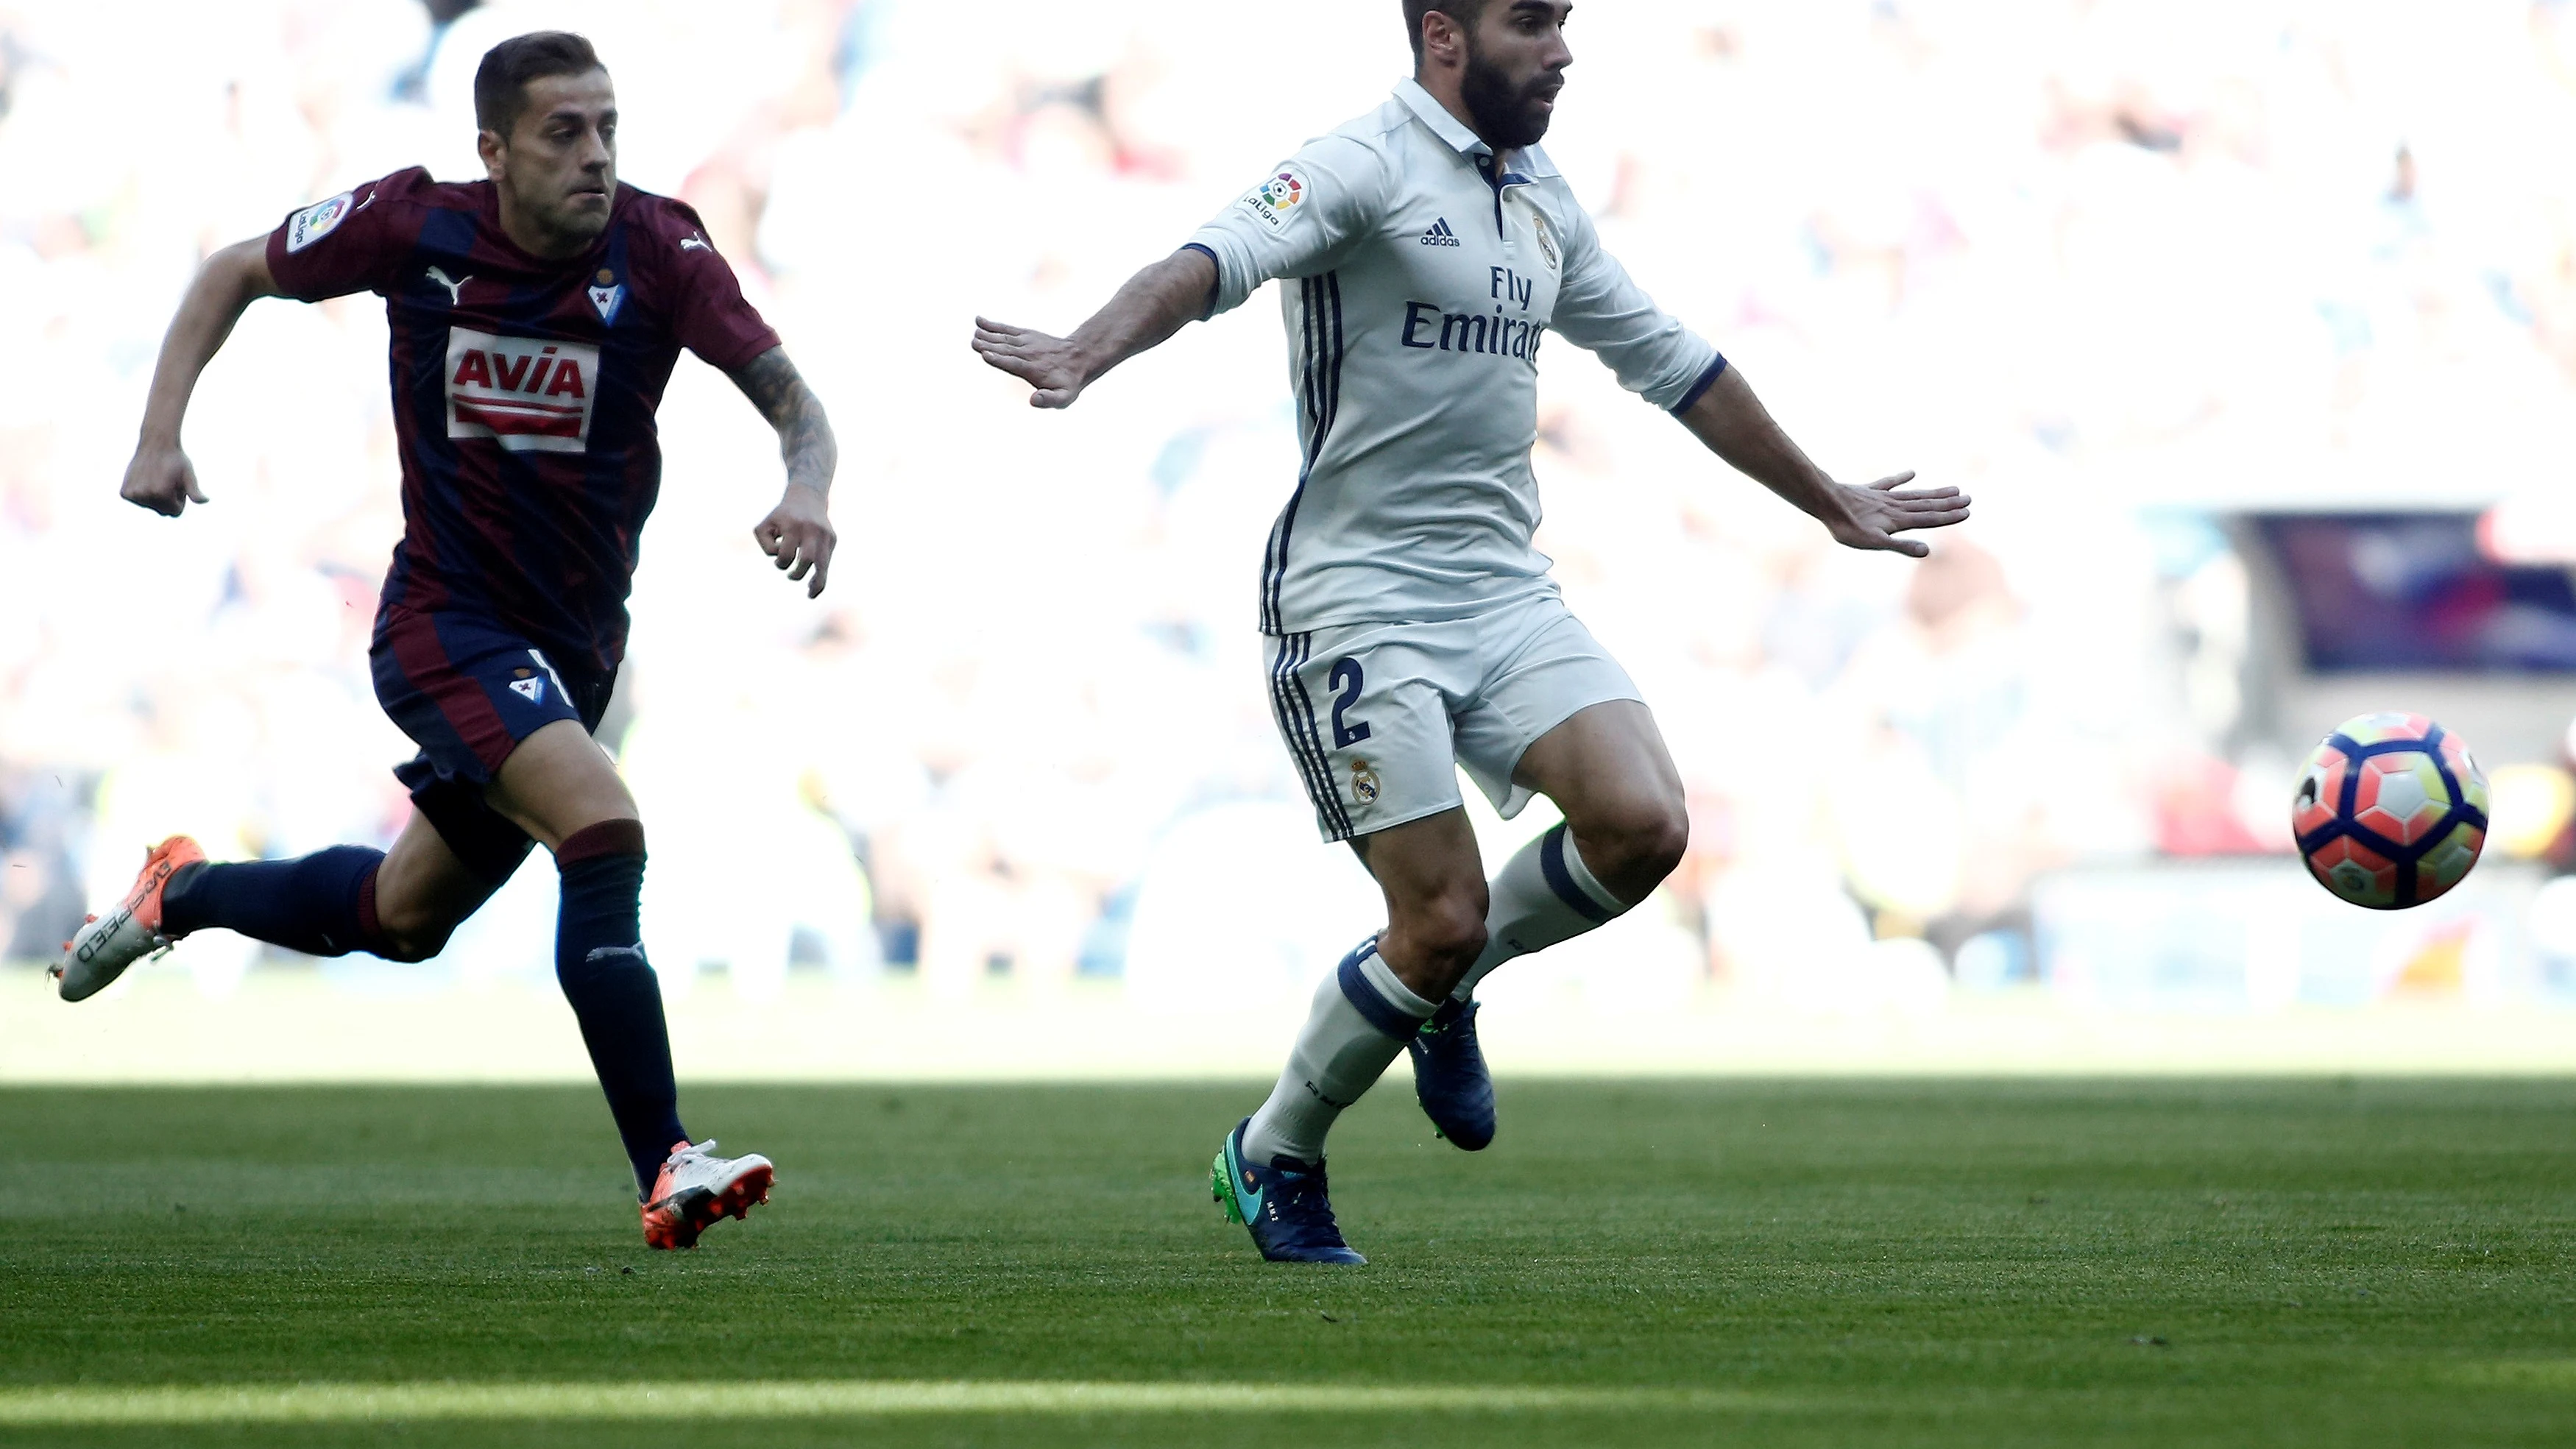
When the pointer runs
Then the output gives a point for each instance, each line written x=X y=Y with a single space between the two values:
x=1428 y=274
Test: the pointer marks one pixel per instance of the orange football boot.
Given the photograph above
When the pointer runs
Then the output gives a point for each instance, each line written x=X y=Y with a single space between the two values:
x=697 y=1189
x=110 y=943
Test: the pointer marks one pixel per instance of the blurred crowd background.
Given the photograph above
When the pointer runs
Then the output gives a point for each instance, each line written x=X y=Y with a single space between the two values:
x=2251 y=326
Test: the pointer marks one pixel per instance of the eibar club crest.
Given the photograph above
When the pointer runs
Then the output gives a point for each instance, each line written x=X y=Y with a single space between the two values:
x=531 y=690
x=607 y=295
x=1363 y=782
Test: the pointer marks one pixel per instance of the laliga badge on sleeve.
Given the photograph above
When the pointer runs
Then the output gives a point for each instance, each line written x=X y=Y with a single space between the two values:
x=1276 y=199
x=317 y=221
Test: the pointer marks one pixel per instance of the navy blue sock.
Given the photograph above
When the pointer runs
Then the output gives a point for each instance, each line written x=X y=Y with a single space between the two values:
x=323 y=904
x=599 y=958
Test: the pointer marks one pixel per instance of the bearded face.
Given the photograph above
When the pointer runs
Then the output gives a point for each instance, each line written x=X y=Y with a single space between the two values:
x=1510 y=110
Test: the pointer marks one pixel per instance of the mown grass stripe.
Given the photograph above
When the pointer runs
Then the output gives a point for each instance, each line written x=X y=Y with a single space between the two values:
x=812 y=1398
x=2557 y=1374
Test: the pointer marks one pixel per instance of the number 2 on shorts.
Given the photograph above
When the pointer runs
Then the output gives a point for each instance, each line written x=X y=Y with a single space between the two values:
x=1346 y=678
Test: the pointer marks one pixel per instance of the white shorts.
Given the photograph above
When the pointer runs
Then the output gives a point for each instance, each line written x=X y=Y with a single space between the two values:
x=1380 y=716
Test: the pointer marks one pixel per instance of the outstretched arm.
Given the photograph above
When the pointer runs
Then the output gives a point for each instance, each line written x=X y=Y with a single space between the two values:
x=798 y=532
x=1149 y=309
x=1736 y=427
x=161 y=478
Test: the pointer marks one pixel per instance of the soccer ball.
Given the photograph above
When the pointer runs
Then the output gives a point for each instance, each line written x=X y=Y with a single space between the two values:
x=2390 y=811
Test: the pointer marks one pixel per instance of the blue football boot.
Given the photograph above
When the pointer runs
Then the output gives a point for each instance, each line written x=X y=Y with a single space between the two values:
x=1449 y=1076
x=1284 y=1204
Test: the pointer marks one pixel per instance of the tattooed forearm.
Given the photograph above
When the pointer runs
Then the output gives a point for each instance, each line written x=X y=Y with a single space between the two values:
x=804 y=434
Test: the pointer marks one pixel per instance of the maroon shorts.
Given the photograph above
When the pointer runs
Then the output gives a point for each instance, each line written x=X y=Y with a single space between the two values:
x=467 y=690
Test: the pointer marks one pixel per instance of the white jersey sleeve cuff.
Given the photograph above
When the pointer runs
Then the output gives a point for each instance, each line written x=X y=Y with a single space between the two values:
x=1238 y=273
x=1678 y=399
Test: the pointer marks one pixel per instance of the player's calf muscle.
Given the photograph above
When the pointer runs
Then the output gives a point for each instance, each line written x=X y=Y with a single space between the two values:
x=422 y=894
x=1435 y=899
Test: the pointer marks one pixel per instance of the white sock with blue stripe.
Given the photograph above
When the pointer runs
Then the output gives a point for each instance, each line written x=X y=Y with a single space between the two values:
x=1361 y=1020
x=1544 y=895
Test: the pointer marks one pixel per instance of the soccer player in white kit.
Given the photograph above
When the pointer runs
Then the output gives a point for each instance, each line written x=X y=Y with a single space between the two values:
x=1414 y=629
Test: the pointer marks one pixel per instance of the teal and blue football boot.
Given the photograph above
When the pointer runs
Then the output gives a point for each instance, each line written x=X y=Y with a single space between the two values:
x=1284 y=1204
x=1449 y=1076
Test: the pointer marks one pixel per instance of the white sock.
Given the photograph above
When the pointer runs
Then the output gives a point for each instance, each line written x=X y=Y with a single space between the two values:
x=1545 y=894
x=1362 y=1018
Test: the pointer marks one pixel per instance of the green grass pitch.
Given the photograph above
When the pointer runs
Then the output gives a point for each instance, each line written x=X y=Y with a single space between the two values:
x=1801 y=1263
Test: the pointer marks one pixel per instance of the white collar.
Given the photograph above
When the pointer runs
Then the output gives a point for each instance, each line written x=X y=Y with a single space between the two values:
x=1527 y=163
x=1435 y=115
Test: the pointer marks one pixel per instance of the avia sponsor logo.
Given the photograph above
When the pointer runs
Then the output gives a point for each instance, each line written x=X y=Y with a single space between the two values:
x=1440 y=235
x=529 y=396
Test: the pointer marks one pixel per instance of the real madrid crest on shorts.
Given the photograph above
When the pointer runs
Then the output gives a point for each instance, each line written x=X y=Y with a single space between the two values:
x=1363 y=782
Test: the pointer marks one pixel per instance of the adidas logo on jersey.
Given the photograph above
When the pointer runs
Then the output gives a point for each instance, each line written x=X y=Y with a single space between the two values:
x=1440 y=235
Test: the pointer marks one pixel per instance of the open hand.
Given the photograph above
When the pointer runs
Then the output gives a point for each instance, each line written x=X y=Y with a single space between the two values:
x=1874 y=515
x=1050 y=365
x=162 y=479
x=798 y=535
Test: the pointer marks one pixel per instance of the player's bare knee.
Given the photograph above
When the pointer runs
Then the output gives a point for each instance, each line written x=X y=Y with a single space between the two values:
x=1450 y=928
x=412 y=940
x=1632 y=848
x=411 y=926
x=1658 y=842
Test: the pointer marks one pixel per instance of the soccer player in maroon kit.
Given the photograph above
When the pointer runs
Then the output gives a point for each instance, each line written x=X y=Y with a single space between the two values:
x=536 y=317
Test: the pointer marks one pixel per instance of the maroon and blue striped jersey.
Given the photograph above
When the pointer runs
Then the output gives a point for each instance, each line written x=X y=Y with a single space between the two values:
x=524 y=390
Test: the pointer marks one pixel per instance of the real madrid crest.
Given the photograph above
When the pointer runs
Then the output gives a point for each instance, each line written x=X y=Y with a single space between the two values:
x=1546 y=243
x=1363 y=782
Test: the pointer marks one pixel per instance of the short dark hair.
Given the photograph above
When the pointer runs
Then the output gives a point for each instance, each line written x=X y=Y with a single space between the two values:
x=501 y=81
x=1465 y=12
